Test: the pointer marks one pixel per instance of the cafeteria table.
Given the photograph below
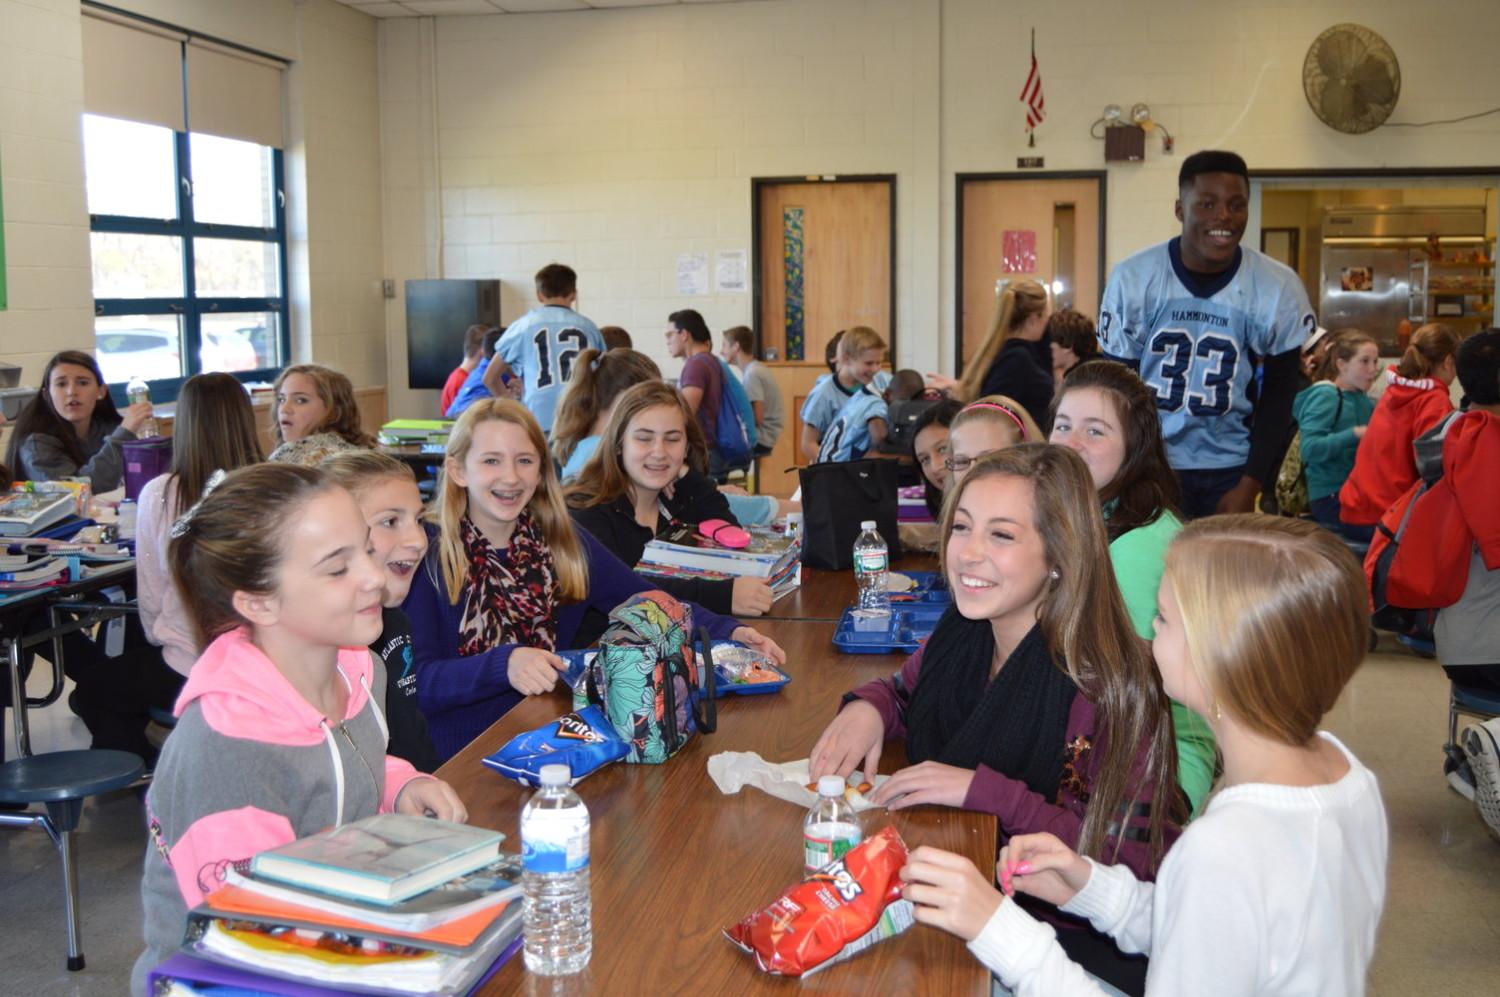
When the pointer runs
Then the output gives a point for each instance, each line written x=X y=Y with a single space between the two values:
x=824 y=595
x=674 y=861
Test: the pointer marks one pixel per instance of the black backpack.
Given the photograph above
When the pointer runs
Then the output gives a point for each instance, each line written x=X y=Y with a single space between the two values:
x=901 y=425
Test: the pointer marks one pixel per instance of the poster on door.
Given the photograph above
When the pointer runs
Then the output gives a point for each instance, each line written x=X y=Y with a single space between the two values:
x=1018 y=253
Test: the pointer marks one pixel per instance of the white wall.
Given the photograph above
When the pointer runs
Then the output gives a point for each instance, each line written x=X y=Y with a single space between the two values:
x=613 y=140
x=333 y=169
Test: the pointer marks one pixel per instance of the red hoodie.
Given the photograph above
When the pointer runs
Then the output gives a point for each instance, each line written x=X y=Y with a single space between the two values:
x=1384 y=466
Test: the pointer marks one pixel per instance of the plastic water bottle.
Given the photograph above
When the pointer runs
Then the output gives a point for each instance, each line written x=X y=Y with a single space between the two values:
x=139 y=391
x=872 y=561
x=830 y=828
x=555 y=864
x=125 y=519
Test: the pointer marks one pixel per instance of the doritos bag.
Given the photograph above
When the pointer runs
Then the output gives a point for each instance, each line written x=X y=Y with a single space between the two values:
x=584 y=741
x=833 y=914
x=647 y=680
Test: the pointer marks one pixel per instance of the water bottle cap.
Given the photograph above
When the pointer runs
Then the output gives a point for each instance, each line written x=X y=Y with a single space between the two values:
x=831 y=785
x=555 y=775
x=868 y=524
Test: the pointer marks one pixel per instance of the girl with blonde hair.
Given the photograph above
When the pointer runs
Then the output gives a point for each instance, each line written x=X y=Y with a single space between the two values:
x=984 y=426
x=508 y=578
x=1278 y=887
x=316 y=415
x=1014 y=359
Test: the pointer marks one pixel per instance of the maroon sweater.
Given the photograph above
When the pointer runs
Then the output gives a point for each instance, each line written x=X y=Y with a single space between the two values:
x=1020 y=809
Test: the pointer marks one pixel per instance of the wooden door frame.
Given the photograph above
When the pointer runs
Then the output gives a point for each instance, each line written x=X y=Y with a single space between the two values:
x=758 y=184
x=960 y=180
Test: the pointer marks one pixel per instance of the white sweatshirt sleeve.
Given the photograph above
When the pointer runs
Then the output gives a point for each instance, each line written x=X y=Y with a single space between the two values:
x=1024 y=953
x=1118 y=904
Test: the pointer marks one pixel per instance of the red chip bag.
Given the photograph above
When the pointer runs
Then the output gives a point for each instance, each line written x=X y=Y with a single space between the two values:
x=841 y=909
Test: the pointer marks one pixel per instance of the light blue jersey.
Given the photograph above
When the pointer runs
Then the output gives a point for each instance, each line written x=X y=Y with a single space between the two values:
x=540 y=347
x=823 y=403
x=1201 y=352
x=848 y=436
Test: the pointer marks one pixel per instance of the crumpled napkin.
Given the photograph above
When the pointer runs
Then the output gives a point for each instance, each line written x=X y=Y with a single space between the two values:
x=731 y=771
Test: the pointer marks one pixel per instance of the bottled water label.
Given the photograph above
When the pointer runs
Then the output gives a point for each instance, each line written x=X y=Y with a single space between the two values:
x=555 y=841
x=870 y=561
x=827 y=841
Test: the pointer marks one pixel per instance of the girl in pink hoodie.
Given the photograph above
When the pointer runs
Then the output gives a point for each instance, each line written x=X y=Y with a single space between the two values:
x=280 y=731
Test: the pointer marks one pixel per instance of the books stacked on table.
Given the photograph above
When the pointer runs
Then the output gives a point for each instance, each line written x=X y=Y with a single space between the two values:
x=24 y=514
x=388 y=905
x=403 y=432
x=683 y=552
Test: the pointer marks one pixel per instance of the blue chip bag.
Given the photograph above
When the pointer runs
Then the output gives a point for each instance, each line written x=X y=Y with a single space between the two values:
x=583 y=740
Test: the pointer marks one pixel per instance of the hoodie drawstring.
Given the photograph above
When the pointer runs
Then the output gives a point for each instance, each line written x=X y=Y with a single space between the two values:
x=338 y=771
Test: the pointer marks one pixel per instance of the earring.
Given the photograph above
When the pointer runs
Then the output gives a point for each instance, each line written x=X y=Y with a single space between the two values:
x=1218 y=714
x=1054 y=574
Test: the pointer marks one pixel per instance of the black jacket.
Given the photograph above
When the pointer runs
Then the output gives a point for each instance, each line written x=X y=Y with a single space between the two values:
x=408 y=727
x=694 y=499
x=1023 y=371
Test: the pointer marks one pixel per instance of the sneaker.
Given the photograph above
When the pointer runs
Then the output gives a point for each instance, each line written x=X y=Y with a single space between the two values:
x=1481 y=744
x=1457 y=771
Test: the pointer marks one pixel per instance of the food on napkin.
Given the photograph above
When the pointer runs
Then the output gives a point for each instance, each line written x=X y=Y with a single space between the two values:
x=731 y=771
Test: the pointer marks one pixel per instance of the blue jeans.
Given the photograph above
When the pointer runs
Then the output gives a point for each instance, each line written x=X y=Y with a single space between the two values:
x=1202 y=489
x=1326 y=511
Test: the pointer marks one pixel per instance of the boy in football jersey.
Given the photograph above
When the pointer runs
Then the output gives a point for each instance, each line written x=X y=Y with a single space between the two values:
x=864 y=422
x=540 y=346
x=1198 y=316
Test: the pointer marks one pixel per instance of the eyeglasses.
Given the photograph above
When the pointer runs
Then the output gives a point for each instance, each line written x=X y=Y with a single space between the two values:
x=958 y=465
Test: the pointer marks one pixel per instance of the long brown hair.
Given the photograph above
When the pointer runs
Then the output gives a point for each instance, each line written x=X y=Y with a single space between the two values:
x=603 y=478
x=1145 y=487
x=1342 y=345
x=1276 y=614
x=1020 y=300
x=1090 y=636
x=1430 y=345
x=40 y=417
x=451 y=504
x=233 y=541
x=214 y=430
x=598 y=378
x=337 y=392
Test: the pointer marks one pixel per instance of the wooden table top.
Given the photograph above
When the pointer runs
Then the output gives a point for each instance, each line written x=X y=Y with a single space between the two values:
x=824 y=595
x=675 y=861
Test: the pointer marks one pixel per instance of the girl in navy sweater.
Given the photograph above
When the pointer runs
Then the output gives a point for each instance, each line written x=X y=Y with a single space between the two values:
x=508 y=578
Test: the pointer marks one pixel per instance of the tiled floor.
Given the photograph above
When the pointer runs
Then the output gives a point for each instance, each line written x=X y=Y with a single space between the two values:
x=1440 y=934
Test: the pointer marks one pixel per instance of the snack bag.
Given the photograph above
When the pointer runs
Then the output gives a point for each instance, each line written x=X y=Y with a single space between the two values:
x=584 y=741
x=837 y=912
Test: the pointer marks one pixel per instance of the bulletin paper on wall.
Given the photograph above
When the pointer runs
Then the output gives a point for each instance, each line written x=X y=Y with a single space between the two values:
x=1019 y=251
x=730 y=267
x=692 y=273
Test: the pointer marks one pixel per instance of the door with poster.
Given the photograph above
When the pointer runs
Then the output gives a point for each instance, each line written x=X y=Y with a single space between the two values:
x=824 y=260
x=1043 y=227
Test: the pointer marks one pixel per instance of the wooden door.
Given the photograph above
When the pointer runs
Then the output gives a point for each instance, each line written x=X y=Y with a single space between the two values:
x=1054 y=228
x=825 y=263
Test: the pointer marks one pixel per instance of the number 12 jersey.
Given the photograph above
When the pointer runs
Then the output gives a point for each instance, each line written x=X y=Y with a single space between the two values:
x=540 y=348
x=1198 y=341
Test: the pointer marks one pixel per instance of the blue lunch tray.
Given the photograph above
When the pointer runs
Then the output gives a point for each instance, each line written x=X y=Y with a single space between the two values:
x=910 y=624
x=578 y=660
x=931 y=587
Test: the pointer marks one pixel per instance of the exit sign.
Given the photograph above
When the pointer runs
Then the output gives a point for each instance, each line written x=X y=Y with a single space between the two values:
x=1030 y=162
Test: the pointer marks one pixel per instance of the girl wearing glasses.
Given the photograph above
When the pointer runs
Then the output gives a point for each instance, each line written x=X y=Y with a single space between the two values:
x=984 y=426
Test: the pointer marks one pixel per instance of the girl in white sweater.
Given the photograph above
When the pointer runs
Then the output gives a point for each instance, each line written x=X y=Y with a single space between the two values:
x=1278 y=887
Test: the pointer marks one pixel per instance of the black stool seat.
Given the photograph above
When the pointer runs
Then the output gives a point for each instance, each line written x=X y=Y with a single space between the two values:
x=67 y=775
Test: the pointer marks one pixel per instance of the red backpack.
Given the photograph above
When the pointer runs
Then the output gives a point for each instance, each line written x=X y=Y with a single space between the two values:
x=1419 y=557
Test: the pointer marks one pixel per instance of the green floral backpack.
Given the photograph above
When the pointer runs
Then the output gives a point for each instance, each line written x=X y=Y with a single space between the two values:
x=647 y=679
x=1291 y=480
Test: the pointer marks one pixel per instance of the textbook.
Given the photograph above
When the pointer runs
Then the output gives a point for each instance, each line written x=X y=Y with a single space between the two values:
x=36 y=572
x=25 y=513
x=484 y=890
x=400 y=431
x=682 y=547
x=386 y=859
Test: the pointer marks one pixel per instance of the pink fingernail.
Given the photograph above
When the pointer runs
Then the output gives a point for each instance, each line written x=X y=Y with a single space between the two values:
x=1023 y=868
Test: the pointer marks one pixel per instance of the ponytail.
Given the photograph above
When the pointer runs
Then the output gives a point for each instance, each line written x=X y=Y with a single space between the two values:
x=1430 y=346
x=1018 y=301
x=598 y=378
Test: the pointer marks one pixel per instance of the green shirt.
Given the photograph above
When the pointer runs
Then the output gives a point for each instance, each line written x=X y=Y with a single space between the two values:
x=1326 y=417
x=1139 y=559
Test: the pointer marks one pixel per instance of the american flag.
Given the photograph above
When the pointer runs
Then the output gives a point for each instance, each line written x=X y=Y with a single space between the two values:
x=1031 y=93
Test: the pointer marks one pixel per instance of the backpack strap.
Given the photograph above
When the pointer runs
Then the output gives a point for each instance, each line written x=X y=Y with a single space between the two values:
x=706 y=709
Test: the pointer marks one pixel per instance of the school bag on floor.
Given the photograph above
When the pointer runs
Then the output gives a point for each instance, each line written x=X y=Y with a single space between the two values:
x=647 y=679
x=735 y=432
x=1418 y=559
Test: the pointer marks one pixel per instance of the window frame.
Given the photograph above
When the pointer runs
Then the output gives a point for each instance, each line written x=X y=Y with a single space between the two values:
x=190 y=307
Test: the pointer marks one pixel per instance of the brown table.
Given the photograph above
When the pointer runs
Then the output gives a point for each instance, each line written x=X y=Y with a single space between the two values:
x=675 y=861
x=824 y=595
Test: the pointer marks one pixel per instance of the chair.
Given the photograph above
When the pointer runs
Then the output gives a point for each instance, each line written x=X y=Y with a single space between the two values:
x=62 y=780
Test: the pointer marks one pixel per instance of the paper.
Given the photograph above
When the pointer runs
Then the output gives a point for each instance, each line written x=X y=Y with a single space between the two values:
x=1018 y=253
x=730 y=266
x=732 y=771
x=692 y=273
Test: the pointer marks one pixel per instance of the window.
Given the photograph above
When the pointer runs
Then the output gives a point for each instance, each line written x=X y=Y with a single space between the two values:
x=189 y=252
x=184 y=182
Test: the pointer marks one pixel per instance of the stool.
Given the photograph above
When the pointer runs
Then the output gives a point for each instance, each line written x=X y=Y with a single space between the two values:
x=62 y=780
x=1481 y=703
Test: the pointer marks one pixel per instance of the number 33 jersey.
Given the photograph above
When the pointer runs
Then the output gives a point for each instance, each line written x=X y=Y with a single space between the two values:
x=1198 y=341
x=540 y=348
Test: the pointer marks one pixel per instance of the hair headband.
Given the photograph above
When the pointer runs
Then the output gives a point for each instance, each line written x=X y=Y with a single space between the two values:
x=999 y=408
x=185 y=521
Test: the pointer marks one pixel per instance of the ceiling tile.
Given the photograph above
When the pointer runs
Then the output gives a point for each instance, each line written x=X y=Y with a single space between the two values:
x=538 y=6
x=439 y=7
x=382 y=9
